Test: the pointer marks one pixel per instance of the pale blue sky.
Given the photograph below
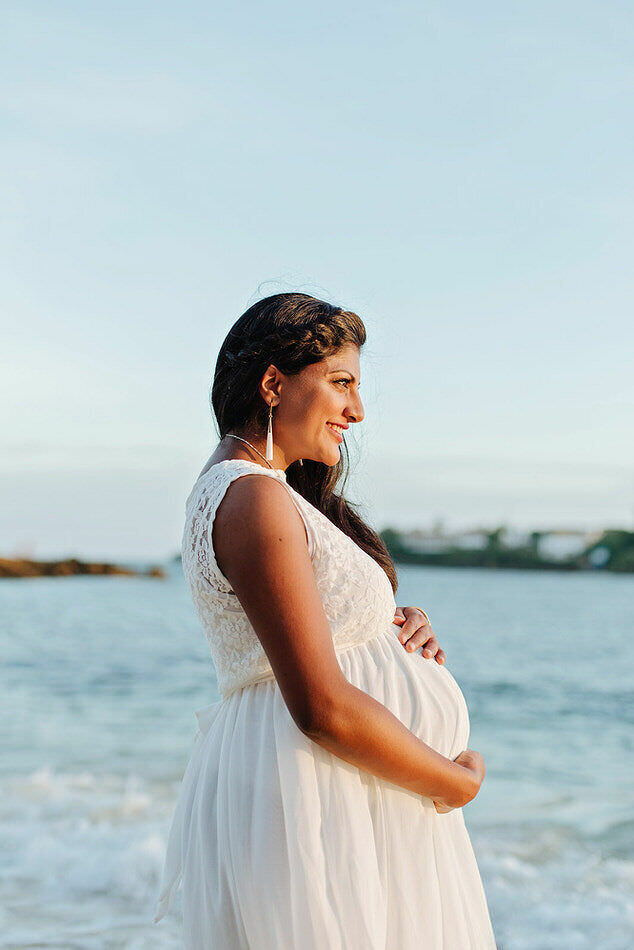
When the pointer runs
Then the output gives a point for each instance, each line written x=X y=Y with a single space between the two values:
x=461 y=175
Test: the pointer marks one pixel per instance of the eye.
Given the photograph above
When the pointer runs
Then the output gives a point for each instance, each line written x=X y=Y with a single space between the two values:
x=347 y=381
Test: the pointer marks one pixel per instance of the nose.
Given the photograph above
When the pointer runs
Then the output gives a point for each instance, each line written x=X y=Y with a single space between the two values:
x=355 y=412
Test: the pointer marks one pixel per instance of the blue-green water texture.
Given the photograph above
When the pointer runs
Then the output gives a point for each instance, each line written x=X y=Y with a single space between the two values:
x=102 y=677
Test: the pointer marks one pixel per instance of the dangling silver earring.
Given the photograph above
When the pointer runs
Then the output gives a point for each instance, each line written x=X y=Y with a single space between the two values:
x=269 y=436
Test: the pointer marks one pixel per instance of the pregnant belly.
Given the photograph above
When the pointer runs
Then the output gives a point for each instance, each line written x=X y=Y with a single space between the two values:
x=417 y=690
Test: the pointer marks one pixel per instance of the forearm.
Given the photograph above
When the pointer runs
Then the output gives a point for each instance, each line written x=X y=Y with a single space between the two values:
x=357 y=728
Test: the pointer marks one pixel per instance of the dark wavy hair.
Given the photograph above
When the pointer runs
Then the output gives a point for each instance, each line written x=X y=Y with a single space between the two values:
x=292 y=330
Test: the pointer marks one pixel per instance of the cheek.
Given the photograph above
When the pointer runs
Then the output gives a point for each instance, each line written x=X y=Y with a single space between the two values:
x=307 y=409
x=313 y=405
x=318 y=406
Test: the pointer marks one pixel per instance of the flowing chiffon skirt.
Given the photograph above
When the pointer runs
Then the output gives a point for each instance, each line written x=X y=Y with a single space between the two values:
x=280 y=845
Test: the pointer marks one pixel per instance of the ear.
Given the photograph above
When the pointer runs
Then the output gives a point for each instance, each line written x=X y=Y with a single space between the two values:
x=270 y=384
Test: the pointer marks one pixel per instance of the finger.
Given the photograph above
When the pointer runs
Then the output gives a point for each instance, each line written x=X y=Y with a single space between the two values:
x=413 y=623
x=432 y=646
x=441 y=657
x=422 y=637
x=409 y=628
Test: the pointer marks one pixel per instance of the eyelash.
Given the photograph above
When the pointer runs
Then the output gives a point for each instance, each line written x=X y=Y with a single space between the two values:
x=344 y=380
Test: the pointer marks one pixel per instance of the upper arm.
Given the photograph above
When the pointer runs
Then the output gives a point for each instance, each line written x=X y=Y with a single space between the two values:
x=260 y=545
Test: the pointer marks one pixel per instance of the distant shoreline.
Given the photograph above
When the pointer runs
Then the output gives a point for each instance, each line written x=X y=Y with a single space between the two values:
x=534 y=568
x=69 y=567
x=613 y=552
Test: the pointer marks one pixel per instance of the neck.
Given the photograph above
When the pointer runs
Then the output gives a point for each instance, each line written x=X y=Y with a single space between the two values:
x=258 y=442
x=250 y=449
x=249 y=445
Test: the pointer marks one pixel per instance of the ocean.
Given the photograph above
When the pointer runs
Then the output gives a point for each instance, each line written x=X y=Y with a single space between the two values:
x=102 y=677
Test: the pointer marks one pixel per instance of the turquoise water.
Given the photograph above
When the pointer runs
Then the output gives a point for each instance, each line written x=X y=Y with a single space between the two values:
x=102 y=679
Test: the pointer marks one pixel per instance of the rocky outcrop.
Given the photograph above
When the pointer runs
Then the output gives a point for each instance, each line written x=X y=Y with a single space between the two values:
x=71 y=567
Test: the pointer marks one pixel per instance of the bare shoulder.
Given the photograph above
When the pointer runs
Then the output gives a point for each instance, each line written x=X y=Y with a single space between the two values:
x=259 y=501
x=257 y=518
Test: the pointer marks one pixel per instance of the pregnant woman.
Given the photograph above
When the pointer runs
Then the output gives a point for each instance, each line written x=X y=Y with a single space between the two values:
x=321 y=808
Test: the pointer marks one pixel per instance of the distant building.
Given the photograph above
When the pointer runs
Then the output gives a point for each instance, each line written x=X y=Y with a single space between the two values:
x=473 y=540
x=437 y=541
x=425 y=542
x=563 y=545
x=556 y=545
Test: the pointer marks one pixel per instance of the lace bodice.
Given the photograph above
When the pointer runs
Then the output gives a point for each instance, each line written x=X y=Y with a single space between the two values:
x=355 y=591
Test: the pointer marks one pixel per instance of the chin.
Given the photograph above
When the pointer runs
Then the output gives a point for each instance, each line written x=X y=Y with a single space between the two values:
x=329 y=458
x=332 y=458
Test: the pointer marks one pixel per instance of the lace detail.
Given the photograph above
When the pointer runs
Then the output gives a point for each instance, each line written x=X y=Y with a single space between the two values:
x=355 y=591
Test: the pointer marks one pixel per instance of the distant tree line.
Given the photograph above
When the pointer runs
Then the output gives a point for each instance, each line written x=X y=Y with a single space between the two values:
x=613 y=551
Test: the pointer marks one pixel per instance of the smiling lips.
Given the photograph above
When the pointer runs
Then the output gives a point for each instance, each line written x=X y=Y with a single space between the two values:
x=337 y=429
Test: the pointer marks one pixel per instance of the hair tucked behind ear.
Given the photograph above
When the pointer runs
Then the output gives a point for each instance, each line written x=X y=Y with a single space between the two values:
x=292 y=331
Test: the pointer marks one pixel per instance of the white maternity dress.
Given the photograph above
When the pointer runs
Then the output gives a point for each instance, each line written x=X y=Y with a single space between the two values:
x=277 y=843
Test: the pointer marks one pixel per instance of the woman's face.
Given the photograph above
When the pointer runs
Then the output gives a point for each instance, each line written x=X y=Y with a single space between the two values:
x=313 y=403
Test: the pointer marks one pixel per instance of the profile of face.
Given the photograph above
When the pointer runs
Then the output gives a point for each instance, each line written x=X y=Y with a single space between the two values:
x=313 y=408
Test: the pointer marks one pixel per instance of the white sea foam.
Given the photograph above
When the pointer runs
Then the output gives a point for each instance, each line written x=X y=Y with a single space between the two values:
x=90 y=847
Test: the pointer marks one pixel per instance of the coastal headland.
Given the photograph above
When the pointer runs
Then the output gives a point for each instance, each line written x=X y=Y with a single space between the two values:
x=69 y=567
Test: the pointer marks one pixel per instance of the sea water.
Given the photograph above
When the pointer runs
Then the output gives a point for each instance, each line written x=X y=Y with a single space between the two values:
x=102 y=677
